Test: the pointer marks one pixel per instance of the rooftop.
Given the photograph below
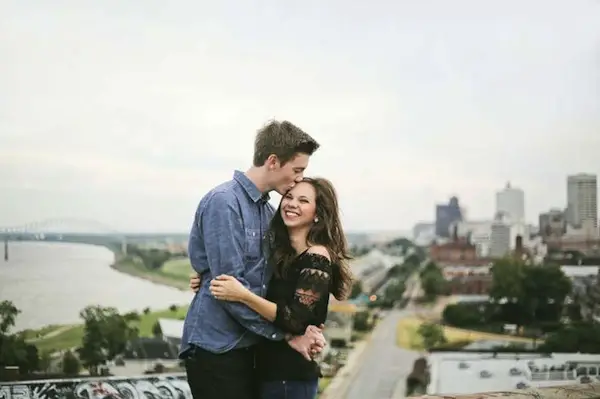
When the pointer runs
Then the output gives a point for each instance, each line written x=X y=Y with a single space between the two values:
x=464 y=373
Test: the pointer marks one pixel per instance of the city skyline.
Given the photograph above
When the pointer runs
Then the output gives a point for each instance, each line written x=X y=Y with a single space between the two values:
x=128 y=116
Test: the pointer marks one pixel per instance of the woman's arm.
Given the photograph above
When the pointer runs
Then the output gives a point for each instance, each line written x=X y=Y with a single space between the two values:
x=295 y=315
x=260 y=305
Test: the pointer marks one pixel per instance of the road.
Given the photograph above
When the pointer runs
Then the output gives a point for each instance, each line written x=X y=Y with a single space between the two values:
x=385 y=366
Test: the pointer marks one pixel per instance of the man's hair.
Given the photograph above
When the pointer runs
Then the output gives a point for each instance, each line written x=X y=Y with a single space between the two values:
x=283 y=139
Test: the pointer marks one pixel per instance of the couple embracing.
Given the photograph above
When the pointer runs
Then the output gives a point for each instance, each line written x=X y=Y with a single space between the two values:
x=264 y=276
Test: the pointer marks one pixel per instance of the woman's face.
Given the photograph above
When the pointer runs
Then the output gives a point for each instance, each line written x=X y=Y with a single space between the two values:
x=298 y=206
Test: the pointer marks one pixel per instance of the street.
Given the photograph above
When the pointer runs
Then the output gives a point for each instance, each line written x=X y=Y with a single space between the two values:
x=384 y=366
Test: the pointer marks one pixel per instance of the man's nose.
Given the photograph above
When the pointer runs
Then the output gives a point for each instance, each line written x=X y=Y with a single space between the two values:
x=299 y=178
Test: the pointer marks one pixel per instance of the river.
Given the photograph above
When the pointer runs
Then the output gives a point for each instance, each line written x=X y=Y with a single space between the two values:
x=51 y=282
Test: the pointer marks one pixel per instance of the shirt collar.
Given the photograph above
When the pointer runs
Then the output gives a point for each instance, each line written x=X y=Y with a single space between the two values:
x=250 y=188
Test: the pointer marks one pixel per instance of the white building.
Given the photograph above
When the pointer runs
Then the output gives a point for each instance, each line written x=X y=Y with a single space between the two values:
x=511 y=202
x=500 y=239
x=582 y=199
x=494 y=238
x=464 y=373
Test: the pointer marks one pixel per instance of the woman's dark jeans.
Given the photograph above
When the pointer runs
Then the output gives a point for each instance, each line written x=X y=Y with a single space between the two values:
x=289 y=389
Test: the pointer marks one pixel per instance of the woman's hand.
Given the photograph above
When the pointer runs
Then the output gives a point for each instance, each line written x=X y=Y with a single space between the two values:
x=228 y=288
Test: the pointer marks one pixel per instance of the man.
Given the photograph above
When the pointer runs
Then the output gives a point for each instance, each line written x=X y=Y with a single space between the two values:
x=227 y=237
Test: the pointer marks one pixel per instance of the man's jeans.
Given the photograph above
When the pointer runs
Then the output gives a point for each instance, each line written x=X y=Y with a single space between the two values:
x=229 y=375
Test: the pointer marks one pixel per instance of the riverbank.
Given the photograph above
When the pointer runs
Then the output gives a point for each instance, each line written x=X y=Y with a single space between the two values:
x=62 y=337
x=174 y=273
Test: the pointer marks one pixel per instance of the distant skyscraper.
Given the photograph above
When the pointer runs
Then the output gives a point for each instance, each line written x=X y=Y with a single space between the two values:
x=511 y=203
x=445 y=215
x=582 y=199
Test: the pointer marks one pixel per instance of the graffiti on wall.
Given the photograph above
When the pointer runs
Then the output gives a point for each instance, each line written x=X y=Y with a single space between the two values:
x=173 y=386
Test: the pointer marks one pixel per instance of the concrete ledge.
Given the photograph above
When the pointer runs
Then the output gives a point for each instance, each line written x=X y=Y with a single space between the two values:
x=581 y=391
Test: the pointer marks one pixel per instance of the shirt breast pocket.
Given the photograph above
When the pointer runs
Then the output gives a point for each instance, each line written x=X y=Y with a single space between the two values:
x=253 y=245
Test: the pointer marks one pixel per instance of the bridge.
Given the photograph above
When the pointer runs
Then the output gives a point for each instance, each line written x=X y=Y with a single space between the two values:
x=74 y=230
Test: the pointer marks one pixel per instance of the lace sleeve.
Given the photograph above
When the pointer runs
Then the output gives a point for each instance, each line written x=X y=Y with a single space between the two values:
x=311 y=297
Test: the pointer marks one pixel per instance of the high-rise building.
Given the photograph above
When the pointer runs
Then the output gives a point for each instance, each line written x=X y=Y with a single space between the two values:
x=511 y=203
x=445 y=215
x=582 y=199
x=499 y=239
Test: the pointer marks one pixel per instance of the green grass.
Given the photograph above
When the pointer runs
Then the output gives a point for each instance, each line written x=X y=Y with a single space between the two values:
x=175 y=276
x=147 y=320
x=35 y=334
x=179 y=269
x=68 y=339
x=323 y=384
x=71 y=337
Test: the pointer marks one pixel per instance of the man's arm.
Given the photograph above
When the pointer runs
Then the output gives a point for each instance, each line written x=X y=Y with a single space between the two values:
x=224 y=238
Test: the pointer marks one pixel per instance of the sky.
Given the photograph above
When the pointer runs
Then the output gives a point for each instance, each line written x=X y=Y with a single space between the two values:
x=127 y=112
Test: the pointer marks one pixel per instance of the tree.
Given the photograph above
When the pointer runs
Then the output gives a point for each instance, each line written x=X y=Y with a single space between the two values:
x=582 y=337
x=394 y=291
x=14 y=350
x=433 y=282
x=106 y=334
x=92 y=353
x=45 y=361
x=154 y=258
x=361 y=321
x=544 y=290
x=357 y=289
x=8 y=316
x=507 y=279
x=413 y=259
x=527 y=294
x=432 y=335
x=70 y=364
x=463 y=315
x=590 y=301
x=156 y=330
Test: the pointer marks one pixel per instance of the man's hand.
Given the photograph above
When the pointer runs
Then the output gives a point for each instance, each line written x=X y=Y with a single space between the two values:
x=310 y=344
x=195 y=281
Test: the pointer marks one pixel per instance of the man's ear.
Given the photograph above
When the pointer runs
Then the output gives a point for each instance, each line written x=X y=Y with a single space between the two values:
x=272 y=162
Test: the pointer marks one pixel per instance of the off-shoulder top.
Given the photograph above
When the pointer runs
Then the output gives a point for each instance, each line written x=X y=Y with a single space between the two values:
x=302 y=298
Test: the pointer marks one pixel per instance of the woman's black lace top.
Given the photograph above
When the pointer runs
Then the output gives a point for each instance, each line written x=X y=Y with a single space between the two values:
x=302 y=298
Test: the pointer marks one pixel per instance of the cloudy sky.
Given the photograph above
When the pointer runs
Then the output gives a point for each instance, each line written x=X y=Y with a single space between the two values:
x=127 y=112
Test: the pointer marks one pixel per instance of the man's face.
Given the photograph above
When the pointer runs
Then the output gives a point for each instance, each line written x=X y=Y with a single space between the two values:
x=286 y=176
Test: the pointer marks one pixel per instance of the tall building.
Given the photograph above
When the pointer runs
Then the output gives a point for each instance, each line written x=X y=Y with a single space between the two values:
x=499 y=239
x=511 y=202
x=582 y=199
x=445 y=215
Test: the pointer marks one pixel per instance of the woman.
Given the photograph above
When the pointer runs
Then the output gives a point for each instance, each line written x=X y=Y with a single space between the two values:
x=309 y=255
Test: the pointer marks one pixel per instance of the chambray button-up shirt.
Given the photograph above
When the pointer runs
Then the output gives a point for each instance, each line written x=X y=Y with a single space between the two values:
x=228 y=237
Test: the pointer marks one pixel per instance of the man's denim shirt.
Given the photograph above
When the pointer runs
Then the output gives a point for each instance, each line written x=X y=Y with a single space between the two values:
x=227 y=237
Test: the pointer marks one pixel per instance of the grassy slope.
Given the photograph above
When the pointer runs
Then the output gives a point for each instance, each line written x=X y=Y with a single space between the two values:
x=174 y=273
x=71 y=336
x=408 y=337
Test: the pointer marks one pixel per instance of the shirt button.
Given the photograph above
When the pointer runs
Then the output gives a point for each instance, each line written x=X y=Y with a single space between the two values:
x=274 y=336
x=264 y=286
